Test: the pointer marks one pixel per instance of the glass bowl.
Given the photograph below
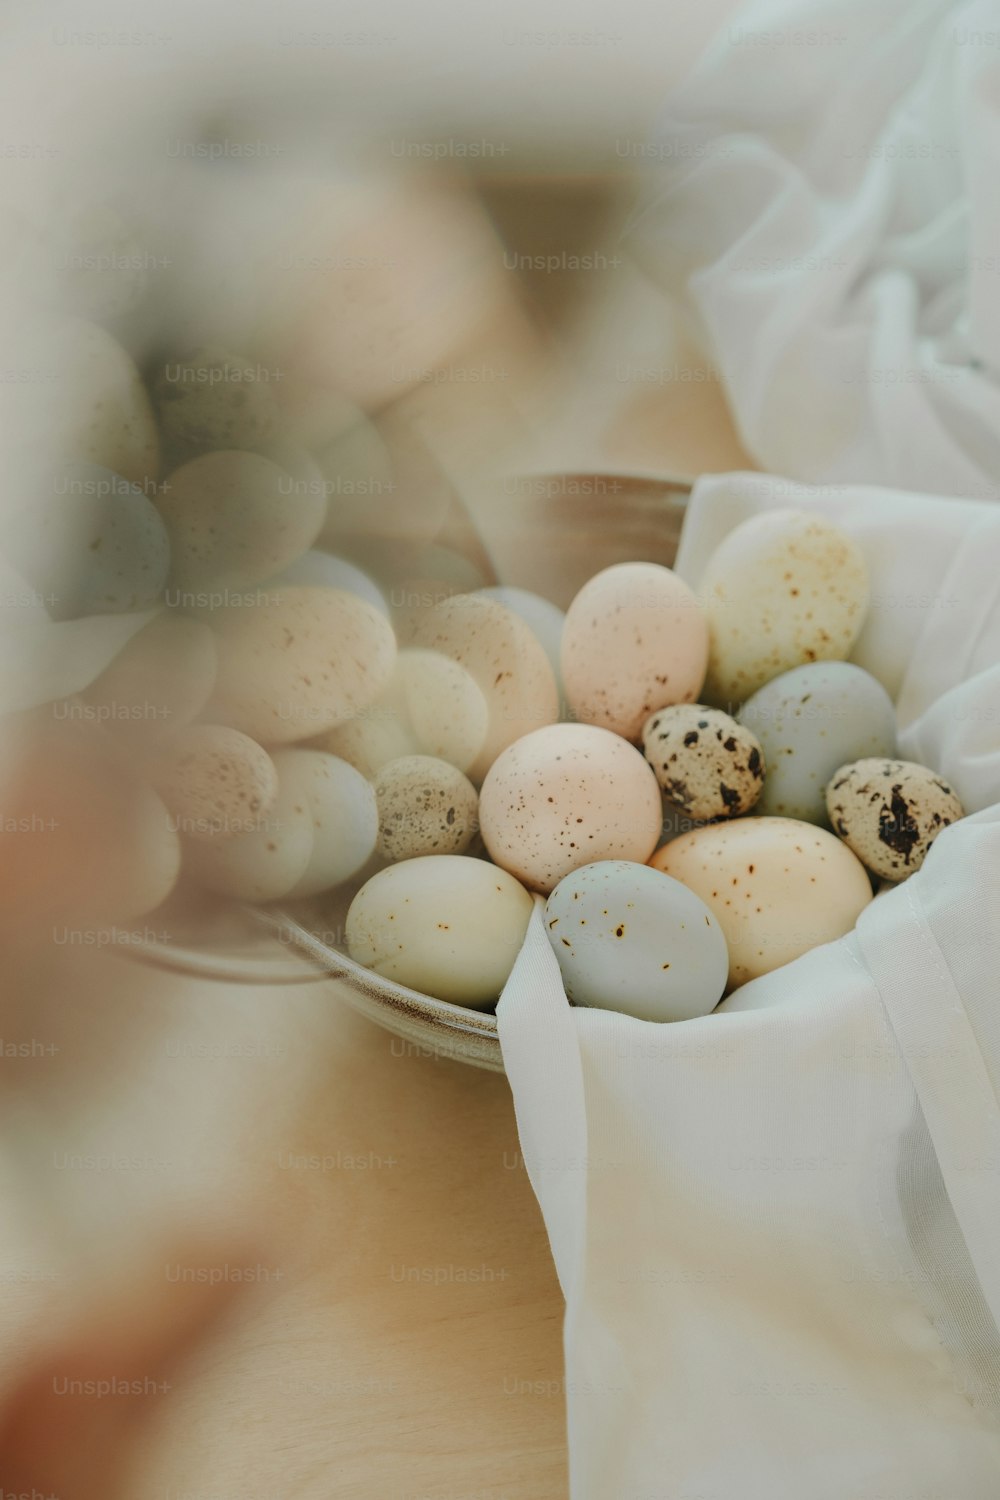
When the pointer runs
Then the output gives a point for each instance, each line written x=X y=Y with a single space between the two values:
x=576 y=524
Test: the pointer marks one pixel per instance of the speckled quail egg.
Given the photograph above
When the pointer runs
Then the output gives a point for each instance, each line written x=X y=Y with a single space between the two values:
x=890 y=812
x=425 y=806
x=707 y=765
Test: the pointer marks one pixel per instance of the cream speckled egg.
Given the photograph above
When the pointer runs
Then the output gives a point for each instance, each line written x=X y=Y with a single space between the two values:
x=783 y=588
x=635 y=639
x=707 y=765
x=215 y=781
x=630 y=938
x=447 y=926
x=96 y=409
x=443 y=704
x=297 y=664
x=341 y=806
x=564 y=796
x=425 y=806
x=777 y=886
x=214 y=399
x=546 y=619
x=505 y=659
x=232 y=522
x=890 y=812
x=263 y=865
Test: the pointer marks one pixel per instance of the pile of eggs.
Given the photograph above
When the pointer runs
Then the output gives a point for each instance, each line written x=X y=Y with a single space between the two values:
x=699 y=784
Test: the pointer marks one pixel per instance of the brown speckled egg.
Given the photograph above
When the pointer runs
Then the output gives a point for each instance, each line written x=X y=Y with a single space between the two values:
x=425 y=806
x=634 y=640
x=783 y=588
x=565 y=796
x=890 y=812
x=216 y=782
x=707 y=765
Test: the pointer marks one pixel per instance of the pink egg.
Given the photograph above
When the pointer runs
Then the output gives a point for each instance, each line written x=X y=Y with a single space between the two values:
x=564 y=796
x=635 y=640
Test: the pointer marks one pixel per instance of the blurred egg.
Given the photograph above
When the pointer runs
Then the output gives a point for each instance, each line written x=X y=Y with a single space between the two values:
x=890 y=812
x=447 y=926
x=234 y=520
x=341 y=806
x=262 y=865
x=634 y=640
x=425 y=806
x=811 y=720
x=95 y=410
x=103 y=264
x=321 y=570
x=443 y=705
x=783 y=588
x=371 y=738
x=90 y=543
x=505 y=659
x=160 y=680
x=777 y=886
x=629 y=938
x=707 y=765
x=565 y=796
x=298 y=664
x=83 y=841
x=215 y=781
x=211 y=398
x=543 y=617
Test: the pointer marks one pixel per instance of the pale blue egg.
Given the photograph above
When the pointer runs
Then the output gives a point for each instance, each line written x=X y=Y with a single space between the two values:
x=810 y=721
x=631 y=939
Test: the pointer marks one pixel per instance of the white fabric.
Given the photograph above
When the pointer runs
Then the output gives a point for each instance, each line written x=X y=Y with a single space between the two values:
x=826 y=207
x=777 y=1228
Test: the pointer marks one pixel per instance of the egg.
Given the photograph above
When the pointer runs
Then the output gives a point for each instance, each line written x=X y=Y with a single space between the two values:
x=215 y=781
x=370 y=739
x=234 y=520
x=341 y=807
x=442 y=704
x=90 y=543
x=261 y=865
x=447 y=926
x=783 y=588
x=777 y=886
x=298 y=664
x=811 y=720
x=565 y=796
x=632 y=939
x=425 y=806
x=159 y=681
x=541 y=615
x=503 y=657
x=211 y=398
x=890 y=812
x=707 y=765
x=102 y=261
x=634 y=640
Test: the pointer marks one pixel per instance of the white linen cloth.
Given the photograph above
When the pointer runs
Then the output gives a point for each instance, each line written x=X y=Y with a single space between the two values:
x=777 y=1227
x=824 y=204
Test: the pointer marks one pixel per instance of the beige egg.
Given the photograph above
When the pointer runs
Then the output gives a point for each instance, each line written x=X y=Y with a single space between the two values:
x=84 y=842
x=94 y=407
x=425 y=806
x=446 y=926
x=370 y=739
x=216 y=782
x=634 y=640
x=159 y=681
x=262 y=865
x=707 y=765
x=565 y=796
x=292 y=667
x=505 y=659
x=778 y=887
x=890 y=812
x=443 y=705
x=233 y=520
x=212 y=398
x=783 y=588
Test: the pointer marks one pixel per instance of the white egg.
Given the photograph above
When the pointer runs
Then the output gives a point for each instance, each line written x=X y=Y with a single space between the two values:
x=447 y=926
x=443 y=705
x=263 y=865
x=342 y=808
x=783 y=588
x=371 y=738
x=629 y=938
